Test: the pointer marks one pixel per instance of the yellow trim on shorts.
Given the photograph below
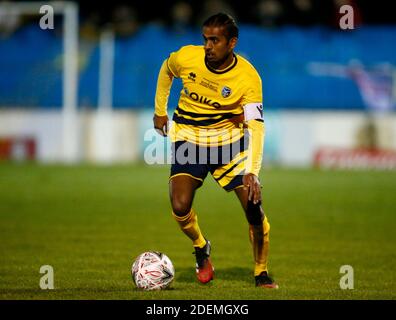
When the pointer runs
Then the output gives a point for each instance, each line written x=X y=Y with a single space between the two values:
x=185 y=174
x=219 y=171
x=225 y=181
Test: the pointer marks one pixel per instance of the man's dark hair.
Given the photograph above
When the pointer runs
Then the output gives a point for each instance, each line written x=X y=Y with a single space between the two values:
x=223 y=20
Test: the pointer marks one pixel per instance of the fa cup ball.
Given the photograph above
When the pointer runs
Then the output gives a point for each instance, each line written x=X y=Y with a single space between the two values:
x=152 y=270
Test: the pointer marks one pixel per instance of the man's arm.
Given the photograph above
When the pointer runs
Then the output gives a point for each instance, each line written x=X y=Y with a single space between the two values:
x=164 y=84
x=254 y=119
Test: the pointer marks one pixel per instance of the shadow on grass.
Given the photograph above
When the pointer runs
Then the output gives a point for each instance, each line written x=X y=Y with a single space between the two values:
x=187 y=275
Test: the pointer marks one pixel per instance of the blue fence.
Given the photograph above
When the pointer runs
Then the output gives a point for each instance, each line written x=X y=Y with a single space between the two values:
x=300 y=68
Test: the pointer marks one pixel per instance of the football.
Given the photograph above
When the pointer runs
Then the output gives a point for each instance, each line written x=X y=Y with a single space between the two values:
x=152 y=270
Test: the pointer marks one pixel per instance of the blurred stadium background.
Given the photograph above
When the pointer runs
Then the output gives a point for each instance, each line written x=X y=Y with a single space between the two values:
x=82 y=94
x=329 y=94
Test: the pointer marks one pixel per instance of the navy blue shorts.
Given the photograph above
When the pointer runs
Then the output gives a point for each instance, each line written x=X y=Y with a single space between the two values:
x=225 y=163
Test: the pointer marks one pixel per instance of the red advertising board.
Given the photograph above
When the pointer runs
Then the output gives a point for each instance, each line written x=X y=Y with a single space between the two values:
x=355 y=158
x=17 y=148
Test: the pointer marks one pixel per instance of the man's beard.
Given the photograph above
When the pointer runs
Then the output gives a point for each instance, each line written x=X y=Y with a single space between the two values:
x=217 y=64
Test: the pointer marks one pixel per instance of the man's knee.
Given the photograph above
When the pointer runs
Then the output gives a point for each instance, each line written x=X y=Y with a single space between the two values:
x=181 y=205
x=254 y=213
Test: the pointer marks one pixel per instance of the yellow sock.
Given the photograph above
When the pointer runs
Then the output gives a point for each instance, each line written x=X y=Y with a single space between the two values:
x=259 y=238
x=190 y=227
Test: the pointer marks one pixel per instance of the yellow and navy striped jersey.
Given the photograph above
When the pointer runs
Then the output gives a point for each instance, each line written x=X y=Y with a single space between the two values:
x=211 y=99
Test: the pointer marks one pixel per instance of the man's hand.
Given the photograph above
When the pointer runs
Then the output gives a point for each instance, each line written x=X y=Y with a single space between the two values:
x=252 y=182
x=239 y=121
x=161 y=124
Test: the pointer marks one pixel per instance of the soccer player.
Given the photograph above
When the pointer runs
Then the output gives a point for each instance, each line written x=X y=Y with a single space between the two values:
x=217 y=127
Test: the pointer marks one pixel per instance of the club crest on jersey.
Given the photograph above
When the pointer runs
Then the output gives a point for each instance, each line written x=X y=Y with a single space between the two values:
x=225 y=92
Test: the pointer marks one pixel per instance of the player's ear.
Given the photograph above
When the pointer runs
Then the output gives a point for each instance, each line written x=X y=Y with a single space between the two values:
x=233 y=42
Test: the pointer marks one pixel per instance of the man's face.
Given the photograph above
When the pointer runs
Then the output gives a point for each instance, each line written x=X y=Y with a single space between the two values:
x=216 y=45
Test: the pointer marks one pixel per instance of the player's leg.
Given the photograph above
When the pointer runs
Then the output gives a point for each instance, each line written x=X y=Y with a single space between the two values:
x=255 y=217
x=259 y=228
x=182 y=189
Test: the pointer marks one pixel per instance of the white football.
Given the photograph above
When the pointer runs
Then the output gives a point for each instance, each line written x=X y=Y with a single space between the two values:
x=152 y=270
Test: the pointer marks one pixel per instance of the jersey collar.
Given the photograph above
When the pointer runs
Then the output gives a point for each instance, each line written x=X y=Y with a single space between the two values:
x=233 y=64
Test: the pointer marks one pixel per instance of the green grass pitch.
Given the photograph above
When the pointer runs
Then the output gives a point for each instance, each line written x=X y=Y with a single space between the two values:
x=90 y=222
